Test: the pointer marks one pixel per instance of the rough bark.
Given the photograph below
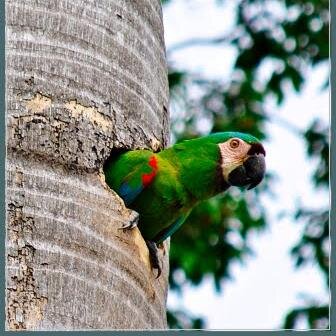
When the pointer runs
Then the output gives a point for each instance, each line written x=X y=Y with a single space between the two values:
x=82 y=78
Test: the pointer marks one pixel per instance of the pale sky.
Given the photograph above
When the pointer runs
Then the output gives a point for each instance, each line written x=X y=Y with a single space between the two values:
x=268 y=285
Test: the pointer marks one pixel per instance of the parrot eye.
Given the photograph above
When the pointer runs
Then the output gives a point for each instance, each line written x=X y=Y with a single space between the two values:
x=234 y=143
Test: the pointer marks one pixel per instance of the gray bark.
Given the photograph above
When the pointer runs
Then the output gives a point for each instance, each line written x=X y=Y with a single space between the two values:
x=82 y=78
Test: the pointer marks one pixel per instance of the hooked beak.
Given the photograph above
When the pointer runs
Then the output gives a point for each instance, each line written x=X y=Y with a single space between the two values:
x=252 y=171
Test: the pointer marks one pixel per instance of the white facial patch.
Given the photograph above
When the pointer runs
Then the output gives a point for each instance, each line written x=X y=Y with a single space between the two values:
x=232 y=157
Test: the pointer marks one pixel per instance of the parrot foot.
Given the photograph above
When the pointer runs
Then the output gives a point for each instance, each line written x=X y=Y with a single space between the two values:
x=132 y=223
x=153 y=257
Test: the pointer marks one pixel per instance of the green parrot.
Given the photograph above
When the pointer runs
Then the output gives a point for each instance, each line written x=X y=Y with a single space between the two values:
x=163 y=187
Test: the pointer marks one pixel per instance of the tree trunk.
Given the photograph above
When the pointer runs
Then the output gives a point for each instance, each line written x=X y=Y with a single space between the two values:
x=84 y=77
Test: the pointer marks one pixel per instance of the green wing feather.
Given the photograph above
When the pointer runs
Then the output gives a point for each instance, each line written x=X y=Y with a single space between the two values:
x=125 y=175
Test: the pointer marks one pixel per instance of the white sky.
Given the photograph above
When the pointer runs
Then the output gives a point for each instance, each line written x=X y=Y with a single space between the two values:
x=268 y=285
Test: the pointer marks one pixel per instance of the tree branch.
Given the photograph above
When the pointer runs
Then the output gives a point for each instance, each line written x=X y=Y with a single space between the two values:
x=199 y=41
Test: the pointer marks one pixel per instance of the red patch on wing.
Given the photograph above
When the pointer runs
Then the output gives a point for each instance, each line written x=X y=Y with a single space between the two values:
x=148 y=178
x=153 y=162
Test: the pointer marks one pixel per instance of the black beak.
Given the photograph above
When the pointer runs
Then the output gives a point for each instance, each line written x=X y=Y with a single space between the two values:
x=255 y=169
x=251 y=172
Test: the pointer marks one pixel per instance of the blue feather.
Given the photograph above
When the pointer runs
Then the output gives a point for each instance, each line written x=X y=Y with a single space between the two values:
x=129 y=194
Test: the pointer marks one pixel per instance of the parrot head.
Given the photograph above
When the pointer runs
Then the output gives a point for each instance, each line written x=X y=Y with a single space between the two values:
x=242 y=160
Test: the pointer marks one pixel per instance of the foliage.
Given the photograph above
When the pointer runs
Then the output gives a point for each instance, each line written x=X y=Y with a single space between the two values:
x=313 y=246
x=181 y=320
x=282 y=44
x=317 y=317
x=217 y=234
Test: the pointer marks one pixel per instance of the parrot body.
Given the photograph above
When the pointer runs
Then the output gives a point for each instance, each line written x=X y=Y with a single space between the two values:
x=163 y=187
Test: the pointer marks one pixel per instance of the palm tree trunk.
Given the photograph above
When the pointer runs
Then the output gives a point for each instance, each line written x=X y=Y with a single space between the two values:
x=83 y=78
